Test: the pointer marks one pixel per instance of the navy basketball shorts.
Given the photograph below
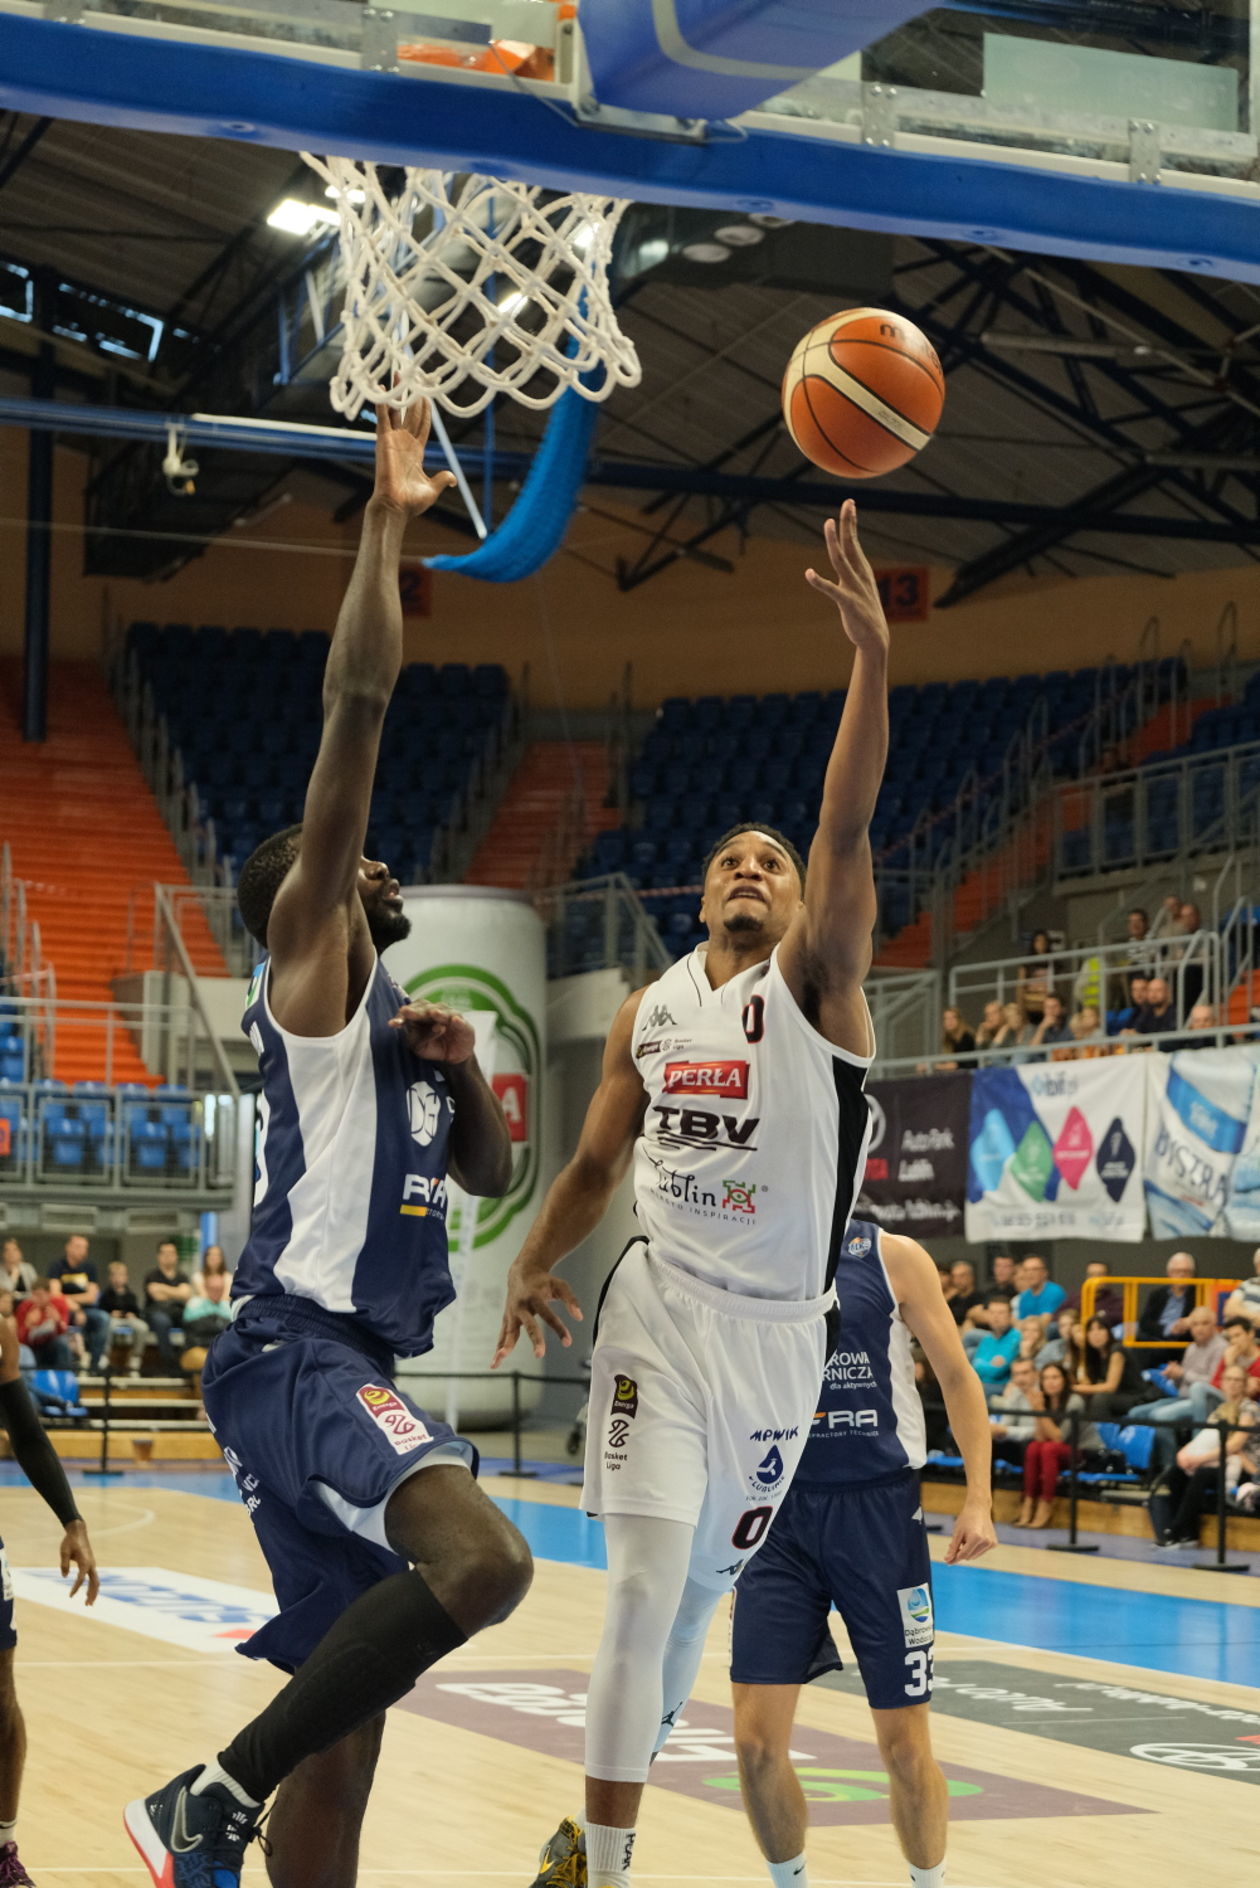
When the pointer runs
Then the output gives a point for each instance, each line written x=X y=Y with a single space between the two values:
x=862 y=1550
x=8 y=1636
x=318 y=1440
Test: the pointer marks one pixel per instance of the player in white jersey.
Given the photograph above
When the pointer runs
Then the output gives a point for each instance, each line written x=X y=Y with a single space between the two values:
x=735 y=1085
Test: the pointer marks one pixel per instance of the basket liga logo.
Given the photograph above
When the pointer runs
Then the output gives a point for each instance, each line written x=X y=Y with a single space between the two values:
x=517 y=1060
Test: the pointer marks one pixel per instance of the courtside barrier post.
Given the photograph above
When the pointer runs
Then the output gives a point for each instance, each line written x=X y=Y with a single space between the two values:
x=1071 y=1545
x=517 y=1471
x=1220 y=1564
x=104 y=1469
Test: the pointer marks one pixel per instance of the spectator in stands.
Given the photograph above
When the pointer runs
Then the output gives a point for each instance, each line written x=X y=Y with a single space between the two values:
x=1039 y=1296
x=213 y=1264
x=208 y=1312
x=1241 y=1348
x=1167 y=915
x=75 y=1276
x=1053 y=1027
x=991 y=1027
x=1108 y=1301
x=936 y=1424
x=1035 y=981
x=1166 y=1312
x=1245 y=1301
x=17 y=1274
x=1192 y=1481
x=1202 y=1028
x=1087 y=1033
x=1056 y=1345
x=1011 y=1412
x=1108 y=1376
x=1137 y=930
x=1188 y=950
x=1049 y=1452
x=1202 y=1361
x=1015 y=1034
x=1157 y=1016
x=43 y=1322
x=1001 y=1278
x=1032 y=1335
x=1122 y=1021
x=956 y=1038
x=961 y=1294
x=167 y=1289
x=122 y=1308
x=999 y=1345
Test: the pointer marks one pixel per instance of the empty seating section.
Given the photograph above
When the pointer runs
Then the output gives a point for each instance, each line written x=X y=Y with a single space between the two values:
x=244 y=710
x=126 y=1135
x=710 y=763
x=1144 y=819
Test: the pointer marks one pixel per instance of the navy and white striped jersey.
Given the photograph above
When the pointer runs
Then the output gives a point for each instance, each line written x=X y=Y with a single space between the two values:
x=350 y=1192
x=869 y=1423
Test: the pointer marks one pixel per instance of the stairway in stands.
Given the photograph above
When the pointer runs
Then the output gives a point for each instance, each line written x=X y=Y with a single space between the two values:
x=86 y=834
x=520 y=849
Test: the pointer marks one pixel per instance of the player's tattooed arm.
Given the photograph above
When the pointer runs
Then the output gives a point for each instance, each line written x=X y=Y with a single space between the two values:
x=318 y=936
x=917 y=1288
x=578 y=1197
x=826 y=956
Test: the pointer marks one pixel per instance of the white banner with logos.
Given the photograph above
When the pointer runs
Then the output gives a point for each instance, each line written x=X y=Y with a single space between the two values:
x=1054 y=1150
x=1202 y=1150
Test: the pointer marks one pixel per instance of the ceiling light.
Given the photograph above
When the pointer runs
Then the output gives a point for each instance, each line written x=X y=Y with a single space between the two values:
x=705 y=252
x=513 y=303
x=351 y=196
x=1066 y=344
x=299 y=219
x=764 y=220
x=583 y=238
x=740 y=235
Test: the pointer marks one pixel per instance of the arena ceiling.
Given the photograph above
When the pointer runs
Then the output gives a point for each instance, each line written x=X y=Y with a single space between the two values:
x=1099 y=418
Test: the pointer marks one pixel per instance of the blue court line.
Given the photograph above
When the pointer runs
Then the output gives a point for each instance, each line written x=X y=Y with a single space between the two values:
x=1156 y=1632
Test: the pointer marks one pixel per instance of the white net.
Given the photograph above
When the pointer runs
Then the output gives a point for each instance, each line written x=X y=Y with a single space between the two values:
x=459 y=287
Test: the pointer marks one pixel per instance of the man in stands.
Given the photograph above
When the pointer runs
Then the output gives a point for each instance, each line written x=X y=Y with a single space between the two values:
x=999 y=1347
x=167 y=1289
x=43 y=1324
x=75 y=1276
x=1123 y=1020
x=1201 y=1361
x=1108 y=1301
x=1040 y=1296
x=1158 y=1015
x=1202 y=1028
x=1166 y=1312
x=1245 y=1302
x=1012 y=1422
x=1001 y=1278
x=1053 y=1027
x=122 y=1308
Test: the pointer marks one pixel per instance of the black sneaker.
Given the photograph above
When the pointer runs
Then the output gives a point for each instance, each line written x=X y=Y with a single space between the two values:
x=562 y=1861
x=189 y=1841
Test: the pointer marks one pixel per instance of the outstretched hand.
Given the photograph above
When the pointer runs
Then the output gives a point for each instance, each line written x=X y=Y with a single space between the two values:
x=402 y=482
x=530 y=1296
x=854 y=590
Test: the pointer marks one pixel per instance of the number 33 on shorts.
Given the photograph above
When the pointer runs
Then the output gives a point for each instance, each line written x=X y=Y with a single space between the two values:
x=919 y=1672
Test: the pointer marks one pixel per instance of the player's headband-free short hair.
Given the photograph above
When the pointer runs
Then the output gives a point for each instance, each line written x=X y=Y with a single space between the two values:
x=262 y=875
x=772 y=833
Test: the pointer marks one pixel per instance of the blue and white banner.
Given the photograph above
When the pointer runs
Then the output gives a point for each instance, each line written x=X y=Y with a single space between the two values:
x=1201 y=1144
x=1054 y=1150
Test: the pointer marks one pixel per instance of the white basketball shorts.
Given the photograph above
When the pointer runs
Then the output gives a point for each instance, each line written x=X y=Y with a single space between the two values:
x=701 y=1403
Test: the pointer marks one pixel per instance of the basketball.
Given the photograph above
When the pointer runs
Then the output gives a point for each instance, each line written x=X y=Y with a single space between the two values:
x=863 y=393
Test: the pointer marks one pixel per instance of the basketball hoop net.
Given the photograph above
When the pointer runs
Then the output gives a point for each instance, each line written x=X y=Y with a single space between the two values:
x=459 y=287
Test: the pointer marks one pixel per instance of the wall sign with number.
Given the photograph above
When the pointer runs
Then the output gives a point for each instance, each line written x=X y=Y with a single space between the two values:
x=905 y=594
x=415 y=585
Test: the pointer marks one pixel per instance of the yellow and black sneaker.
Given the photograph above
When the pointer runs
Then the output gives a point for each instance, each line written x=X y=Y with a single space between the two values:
x=562 y=1860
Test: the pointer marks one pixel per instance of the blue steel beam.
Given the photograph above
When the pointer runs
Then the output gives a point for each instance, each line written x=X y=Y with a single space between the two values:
x=718 y=58
x=99 y=77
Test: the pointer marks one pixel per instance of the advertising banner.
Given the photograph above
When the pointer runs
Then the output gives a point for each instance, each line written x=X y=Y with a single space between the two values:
x=1202 y=1143
x=916 y=1167
x=1055 y=1150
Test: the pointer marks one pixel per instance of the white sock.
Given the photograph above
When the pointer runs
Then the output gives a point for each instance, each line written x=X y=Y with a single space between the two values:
x=928 y=1877
x=8 y=1832
x=789 y=1874
x=608 y=1853
x=215 y=1773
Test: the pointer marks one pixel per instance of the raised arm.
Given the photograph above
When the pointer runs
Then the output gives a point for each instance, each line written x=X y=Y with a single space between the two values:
x=827 y=953
x=912 y=1275
x=321 y=951
x=578 y=1197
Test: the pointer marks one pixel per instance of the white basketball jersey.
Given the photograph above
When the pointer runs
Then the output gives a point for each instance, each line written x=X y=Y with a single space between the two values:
x=755 y=1134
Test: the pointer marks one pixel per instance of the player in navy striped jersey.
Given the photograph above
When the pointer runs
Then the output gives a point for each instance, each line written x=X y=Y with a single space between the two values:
x=850 y=1533
x=384 y=1553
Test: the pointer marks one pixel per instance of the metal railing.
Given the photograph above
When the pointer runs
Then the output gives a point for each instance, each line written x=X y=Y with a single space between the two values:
x=600 y=924
x=905 y=1008
x=1163 y=814
x=1205 y=1291
x=1092 y=971
x=1219 y=1036
x=117 y=1141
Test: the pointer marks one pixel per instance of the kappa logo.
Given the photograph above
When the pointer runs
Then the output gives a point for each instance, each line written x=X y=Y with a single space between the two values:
x=726 y=1080
x=403 y=1430
x=424 y=1106
x=625 y=1398
x=660 y=1018
x=738 y=1197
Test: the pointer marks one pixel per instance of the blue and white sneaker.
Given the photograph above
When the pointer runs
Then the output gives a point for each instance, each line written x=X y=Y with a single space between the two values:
x=192 y=1841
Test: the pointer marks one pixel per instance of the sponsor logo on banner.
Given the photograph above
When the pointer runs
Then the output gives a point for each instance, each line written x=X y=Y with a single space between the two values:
x=916 y=1614
x=403 y=1430
x=181 y=1609
x=513 y=1095
x=1052 y=1151
x=1200 y=1108
x=726 y=1081
x=1116 y=1160
x=916 y=1167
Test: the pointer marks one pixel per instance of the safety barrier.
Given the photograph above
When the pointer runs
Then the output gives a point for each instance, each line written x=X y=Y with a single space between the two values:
x=1205 y=1289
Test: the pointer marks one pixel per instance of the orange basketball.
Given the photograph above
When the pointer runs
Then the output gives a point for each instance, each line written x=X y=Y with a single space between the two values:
x=863 y=392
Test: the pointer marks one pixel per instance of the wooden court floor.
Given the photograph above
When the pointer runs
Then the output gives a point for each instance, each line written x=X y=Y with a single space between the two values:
x=469 y=1786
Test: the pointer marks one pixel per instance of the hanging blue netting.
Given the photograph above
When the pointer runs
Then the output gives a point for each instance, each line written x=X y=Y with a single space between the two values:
x=534 y=528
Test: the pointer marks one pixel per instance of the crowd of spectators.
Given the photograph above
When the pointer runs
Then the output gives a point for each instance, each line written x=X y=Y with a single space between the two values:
x=1064 y=1011
x=1186 y=1366
x=68 y=1320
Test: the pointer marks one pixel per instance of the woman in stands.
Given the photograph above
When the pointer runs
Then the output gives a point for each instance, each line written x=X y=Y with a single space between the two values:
x=1036 y=978
x=1059 y=1345
x=1050 y=1450
x=213 y=1265
x=956 y=1038
x=1016 y=1029
x=1192 y=1483
x=1107 y=1375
